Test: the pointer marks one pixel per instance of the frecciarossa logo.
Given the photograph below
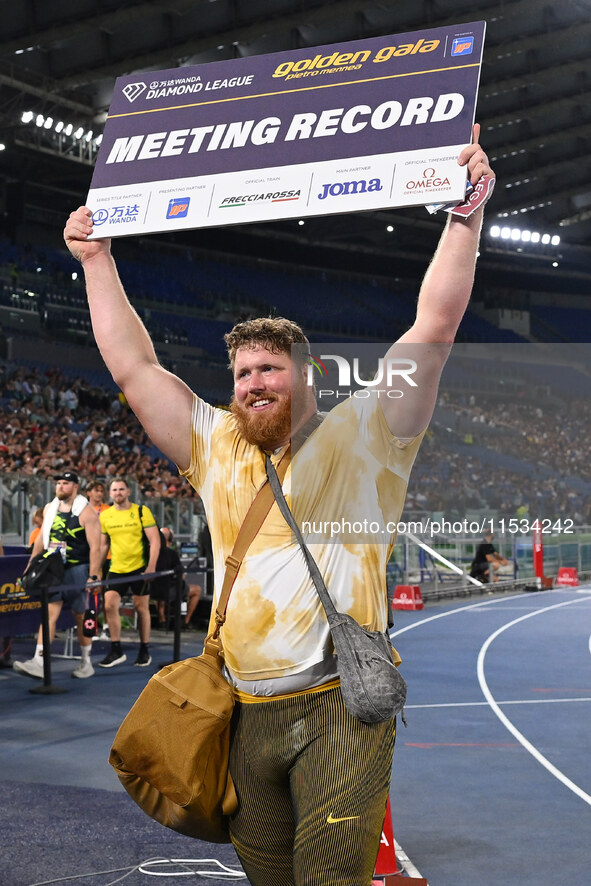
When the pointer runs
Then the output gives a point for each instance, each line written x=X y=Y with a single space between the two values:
x=342 y=189
x=268 y=197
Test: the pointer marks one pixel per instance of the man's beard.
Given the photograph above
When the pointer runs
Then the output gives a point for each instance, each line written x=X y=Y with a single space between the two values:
x=268 y=431
x=263 y=430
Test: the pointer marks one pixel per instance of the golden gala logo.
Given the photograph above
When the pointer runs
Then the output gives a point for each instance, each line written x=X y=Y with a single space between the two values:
x=350 y=61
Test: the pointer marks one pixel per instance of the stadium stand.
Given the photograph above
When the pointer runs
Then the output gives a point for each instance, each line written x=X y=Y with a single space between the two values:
x=489 y=427
x=190 y=300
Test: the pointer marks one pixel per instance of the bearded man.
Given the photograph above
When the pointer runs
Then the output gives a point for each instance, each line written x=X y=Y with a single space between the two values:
x=312 y=780
x=71 y=527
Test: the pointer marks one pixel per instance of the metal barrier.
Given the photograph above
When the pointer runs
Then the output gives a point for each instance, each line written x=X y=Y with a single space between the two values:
x=411 y=564
x=21 y=495
x=49 y=688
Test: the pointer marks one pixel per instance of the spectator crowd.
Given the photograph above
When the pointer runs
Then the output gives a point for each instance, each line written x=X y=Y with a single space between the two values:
x=49 y=422
x=515 y=458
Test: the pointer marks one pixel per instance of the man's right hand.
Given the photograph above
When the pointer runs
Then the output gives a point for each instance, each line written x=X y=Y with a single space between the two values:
x=78 y=228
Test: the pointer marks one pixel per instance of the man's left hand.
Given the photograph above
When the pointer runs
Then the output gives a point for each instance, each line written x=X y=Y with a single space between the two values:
x=474 y=157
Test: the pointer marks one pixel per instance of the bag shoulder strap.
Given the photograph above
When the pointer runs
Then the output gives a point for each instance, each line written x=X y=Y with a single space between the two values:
x=255 y=517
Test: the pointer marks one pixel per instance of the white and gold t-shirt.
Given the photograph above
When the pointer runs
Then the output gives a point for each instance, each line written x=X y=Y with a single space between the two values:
x=350 y=469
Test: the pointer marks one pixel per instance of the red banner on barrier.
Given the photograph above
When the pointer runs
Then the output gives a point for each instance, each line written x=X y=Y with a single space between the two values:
x=567 y=576
x=407 y=597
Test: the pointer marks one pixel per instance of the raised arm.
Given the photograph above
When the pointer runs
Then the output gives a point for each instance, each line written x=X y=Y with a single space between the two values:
x=447 y=285
x=161 y=401
x=443 y=299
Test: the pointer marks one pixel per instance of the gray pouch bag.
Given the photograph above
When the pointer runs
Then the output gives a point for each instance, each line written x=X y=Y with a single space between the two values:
x=372 y=687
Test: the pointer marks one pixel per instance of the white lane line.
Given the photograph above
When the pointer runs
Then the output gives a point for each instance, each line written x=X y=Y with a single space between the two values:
x=423 y=621
x=407 y=865
x=553 y=770
x=497 y=601
x=510 y=609
x=485 y=704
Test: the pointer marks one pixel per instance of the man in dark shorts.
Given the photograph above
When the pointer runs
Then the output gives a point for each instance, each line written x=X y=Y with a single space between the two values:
x=162 y=589
x=123 y=528
x=71 y=526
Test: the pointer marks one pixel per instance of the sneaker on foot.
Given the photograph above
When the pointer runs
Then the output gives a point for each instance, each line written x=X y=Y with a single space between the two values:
x=113 y=658
x=84 y=669
x=143 y=657
x=32 y=668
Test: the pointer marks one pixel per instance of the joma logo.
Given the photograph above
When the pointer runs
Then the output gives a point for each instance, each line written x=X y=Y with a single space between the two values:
x=341 y=189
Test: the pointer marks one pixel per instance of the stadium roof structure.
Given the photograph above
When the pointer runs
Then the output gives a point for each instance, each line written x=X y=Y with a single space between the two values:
x=59 y=60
